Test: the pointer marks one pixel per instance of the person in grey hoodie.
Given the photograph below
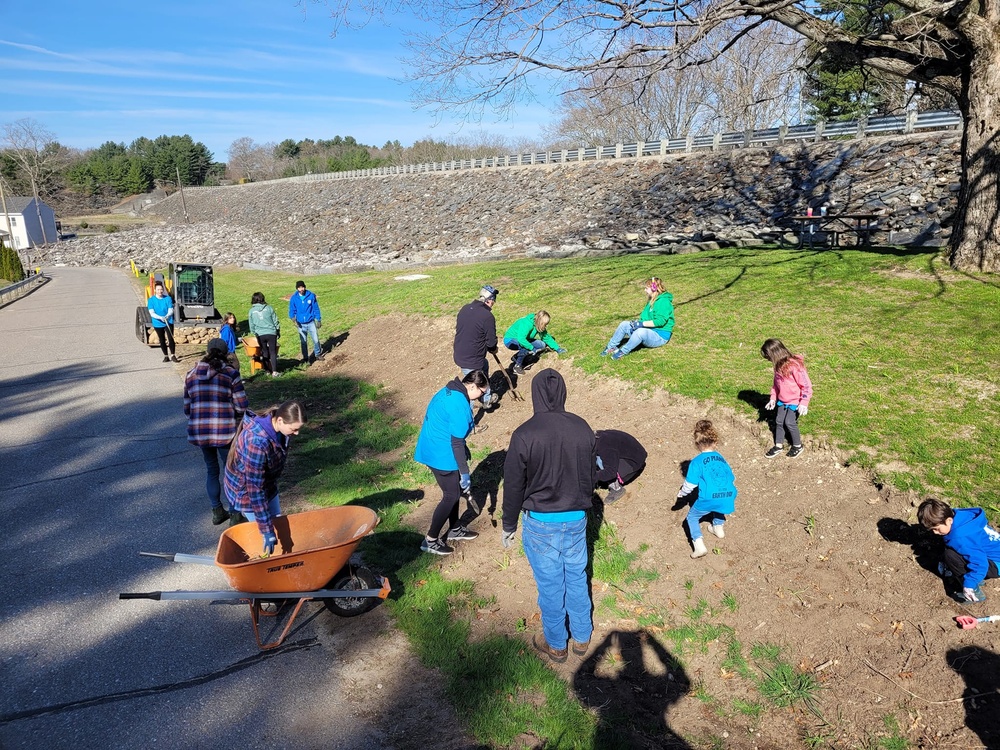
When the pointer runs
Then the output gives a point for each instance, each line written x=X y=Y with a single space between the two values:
x=548 y=482
x=264 y=325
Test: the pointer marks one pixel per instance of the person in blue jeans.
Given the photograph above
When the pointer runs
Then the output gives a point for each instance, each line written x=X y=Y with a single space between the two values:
x=303 y=308
x=548 y=481
x=653 y=327
x=711 y=476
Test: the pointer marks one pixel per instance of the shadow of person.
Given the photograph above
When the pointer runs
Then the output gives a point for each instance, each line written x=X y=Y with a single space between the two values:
x=631 y=680
x=485 y=489
x=680 y=502
x=928 y=548
x=332 y=342
x=758 y=401
x=981 y=671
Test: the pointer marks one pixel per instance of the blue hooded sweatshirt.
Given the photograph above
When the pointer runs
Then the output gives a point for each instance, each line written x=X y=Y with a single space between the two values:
x=974 y=539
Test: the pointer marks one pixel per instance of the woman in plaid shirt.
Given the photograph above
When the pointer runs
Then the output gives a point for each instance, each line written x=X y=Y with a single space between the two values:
x=257 y=460
x=214 y=403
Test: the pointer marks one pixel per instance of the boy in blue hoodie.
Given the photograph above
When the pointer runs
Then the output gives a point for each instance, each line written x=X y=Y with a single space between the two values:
x=972 y=546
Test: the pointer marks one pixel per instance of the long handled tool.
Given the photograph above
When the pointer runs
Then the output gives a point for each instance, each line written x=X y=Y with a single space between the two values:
x=967 y=622
x=510 y=383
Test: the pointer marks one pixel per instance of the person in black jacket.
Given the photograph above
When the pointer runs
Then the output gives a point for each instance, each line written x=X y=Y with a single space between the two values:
x=549 y=475
x=475 y=335
x=620 y=459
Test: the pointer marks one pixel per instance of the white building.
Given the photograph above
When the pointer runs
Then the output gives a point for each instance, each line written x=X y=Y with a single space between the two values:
x=23 y=228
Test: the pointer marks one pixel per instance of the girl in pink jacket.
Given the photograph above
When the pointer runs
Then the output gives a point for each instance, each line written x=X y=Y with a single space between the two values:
x=790 y=394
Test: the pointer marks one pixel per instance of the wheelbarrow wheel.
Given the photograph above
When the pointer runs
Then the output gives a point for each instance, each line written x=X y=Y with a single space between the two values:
x=353 y=578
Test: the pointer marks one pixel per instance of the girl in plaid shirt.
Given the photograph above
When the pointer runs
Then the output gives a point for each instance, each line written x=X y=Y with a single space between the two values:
x=256 y=461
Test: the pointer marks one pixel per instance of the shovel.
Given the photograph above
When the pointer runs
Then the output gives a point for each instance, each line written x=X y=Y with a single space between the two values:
x=513 y=391
x=968 y=622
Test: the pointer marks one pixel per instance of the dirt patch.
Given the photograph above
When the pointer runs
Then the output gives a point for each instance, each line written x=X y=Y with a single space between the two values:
x=815 y=560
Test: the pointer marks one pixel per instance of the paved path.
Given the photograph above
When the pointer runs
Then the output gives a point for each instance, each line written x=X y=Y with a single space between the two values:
x=94 y=467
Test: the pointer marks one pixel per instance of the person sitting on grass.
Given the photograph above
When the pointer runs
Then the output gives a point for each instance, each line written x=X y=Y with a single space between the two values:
x=653 y=328
x=972 y=546
x=529 y=335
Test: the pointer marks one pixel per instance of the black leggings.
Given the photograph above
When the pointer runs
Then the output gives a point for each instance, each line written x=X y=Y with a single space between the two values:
x=447 y=509
x=269 y=350
x=165 y=340
x=786 y=419
x=957 y=565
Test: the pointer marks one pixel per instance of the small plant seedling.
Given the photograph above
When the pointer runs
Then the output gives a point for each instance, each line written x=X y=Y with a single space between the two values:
x=504 y=562
x=729 y=602
x=810 y=525
x=521 y=625
x=716 y=551
x=688 y=584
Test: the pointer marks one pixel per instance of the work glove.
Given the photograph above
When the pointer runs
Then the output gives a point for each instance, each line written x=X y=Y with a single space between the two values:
x=634 y=325
x=269 y=541
x=803 y=409
x=492 y=350
x=974 y=595
x=769 y=406
x=560 y=350
x=465 y=482
x=507 y=538
x=319 y=324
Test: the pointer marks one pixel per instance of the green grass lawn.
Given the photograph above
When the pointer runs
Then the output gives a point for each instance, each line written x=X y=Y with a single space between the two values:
x=903 y=356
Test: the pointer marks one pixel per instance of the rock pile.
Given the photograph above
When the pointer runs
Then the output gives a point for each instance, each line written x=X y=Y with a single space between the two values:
x=680 y=203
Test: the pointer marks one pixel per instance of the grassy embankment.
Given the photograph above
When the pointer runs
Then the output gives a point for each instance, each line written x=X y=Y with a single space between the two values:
x=902 y=352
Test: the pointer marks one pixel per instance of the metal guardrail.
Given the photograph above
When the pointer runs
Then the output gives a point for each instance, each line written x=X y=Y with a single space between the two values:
x=911 y=122
x=10 y=293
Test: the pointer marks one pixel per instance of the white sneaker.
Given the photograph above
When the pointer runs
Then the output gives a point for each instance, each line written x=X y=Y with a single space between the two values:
x=699 y=549
x=718 y=530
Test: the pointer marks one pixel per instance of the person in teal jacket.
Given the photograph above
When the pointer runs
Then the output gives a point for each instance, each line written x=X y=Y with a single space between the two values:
x=653 y=328
x=441 y=447
x=529 y=335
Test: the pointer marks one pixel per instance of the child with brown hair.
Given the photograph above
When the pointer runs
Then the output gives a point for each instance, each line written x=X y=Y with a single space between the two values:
x=711 y=476
x=972 y=546
x=790 y=394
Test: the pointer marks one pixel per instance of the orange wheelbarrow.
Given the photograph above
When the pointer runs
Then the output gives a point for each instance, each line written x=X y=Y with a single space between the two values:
x=311 y=561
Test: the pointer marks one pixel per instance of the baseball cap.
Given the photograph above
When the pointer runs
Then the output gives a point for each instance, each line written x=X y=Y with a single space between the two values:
x=488 y=292
x=218 y=345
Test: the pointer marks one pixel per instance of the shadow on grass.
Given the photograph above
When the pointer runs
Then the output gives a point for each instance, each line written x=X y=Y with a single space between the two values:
x=485 y=489
x=631 y=680
x=756 y=400
x=980 y=668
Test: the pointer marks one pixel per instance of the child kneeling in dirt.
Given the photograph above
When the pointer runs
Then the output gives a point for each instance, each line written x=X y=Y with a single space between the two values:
x=711 y=476
x=972 y=546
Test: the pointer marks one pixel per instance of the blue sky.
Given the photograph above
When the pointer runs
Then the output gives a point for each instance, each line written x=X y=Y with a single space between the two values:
x=216 y=70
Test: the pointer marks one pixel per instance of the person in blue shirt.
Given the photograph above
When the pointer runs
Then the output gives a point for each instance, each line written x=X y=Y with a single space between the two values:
x=161 y=310
x=228 y=334
x=711 y=476
x=441 y=447
x=972 y=546
x=303 y=308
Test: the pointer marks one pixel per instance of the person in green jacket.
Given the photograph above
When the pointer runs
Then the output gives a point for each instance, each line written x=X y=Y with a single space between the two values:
x=529 y=335
x=653 y=328
x=264 y=325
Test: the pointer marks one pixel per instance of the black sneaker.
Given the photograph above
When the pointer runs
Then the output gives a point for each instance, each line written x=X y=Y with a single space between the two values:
x=518 y=370
x=437 y=547
x=794 y=451
x=173 y=358
x=461 y=534
x=775 y=451
x=219 y=515
x=166 y=359
x=236 y=518
x=614 y=494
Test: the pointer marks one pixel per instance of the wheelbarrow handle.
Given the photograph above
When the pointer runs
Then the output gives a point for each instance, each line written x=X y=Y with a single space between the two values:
x=180 y=557
x=155 y=595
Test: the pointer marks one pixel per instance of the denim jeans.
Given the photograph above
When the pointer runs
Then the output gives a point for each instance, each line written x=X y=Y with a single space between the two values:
x=512 y=344
x=640 y=337
x=557 y=553
x=694 y=517
x=307 y=330
x=273 y=509
x=215 y=460
x=486 y=371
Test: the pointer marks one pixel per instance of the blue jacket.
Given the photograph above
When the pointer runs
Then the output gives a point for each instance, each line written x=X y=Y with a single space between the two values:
x=974 y=539
x=160 y=306
x=227 y=334
x=715 y=480
x=304 y=308
x=449 y=414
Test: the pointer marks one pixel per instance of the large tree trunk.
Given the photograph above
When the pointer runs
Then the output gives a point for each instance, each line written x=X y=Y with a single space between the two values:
x=975 y=239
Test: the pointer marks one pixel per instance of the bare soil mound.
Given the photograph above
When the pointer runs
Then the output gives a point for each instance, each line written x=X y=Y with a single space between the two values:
x=816 y=559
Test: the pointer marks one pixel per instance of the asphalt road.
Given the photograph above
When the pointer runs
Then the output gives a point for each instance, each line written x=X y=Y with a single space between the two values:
x=94 y=467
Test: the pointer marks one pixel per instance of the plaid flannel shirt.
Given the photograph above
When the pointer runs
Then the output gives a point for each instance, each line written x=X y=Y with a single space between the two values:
x=213 y=403
x=255 y=463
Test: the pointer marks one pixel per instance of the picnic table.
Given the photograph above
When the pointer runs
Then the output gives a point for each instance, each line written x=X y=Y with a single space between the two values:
x=827 y=230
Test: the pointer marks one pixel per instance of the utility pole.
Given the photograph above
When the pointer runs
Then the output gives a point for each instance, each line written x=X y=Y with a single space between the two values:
x=180 y=187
